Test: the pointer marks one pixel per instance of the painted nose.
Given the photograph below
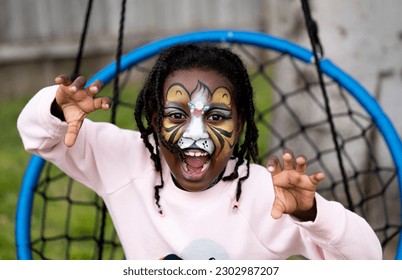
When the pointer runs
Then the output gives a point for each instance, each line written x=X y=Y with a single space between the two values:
x=196 y=130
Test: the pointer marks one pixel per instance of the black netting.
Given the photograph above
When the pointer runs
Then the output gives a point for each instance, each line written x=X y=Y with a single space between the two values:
x=70 y=222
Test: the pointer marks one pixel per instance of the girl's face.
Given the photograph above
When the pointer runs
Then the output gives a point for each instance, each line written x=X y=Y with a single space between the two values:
x=200 y=117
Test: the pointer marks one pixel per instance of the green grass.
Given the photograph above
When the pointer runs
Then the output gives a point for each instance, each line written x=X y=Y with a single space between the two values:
x=13 y=160
x=262 y=101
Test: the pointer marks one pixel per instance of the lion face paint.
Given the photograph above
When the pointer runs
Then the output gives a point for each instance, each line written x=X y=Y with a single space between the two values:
x=205 y=124
x=201 y=119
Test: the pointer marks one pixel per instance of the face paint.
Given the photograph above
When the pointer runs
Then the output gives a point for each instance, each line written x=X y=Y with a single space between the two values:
x=221 y=126
x=175 y=115
x=195 y=135
x=198 y=108
x=199 y=133
x=202 y=122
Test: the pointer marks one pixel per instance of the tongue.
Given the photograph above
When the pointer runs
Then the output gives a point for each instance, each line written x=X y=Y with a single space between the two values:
x=195 y=162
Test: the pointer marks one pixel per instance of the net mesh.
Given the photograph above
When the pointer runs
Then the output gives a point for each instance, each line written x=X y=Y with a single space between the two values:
x=71 y=222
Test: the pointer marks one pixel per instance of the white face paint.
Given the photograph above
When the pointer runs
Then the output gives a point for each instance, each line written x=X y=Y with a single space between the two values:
x=196 y=135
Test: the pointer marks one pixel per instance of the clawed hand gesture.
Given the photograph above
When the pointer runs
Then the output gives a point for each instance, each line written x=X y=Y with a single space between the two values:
x=76 y=102
x=294 y=189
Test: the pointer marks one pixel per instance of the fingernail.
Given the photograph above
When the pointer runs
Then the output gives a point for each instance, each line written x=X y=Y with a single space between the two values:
x=303 y=157
x=271 y=165
x=286 y=151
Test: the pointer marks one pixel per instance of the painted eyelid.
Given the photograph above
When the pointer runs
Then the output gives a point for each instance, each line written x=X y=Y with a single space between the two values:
x=221 y=117
x=220 y=112
x=174 y=110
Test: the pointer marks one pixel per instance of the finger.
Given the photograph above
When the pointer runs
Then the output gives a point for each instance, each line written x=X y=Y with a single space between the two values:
x=78 y=83
x=102 y=102
x=94 y=88
x=287 y=156
x=63 y=79
x=273 y=165
x=72 y=133
x=317 y=177
x=277 y=209
x=301 y=164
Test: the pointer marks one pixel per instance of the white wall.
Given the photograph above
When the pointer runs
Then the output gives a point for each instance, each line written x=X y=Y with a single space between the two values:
x=363 y=37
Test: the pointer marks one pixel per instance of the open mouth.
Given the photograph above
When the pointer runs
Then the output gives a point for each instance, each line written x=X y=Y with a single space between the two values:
x=196 y=162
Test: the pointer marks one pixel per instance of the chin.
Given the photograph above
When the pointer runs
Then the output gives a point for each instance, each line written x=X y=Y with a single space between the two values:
x=193 y=181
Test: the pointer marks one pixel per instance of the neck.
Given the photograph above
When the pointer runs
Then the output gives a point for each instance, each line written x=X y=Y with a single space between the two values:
x=214 y=182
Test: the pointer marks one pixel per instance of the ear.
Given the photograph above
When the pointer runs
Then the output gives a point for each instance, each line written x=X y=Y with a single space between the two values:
x=240 y=125
x=154 y=121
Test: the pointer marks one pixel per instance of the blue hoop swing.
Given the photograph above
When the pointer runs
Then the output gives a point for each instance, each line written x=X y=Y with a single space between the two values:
x=262 y=40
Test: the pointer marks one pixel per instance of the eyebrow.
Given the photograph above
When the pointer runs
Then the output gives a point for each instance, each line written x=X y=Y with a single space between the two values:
x=221 y=106
x=174 y=104
x=176 y=84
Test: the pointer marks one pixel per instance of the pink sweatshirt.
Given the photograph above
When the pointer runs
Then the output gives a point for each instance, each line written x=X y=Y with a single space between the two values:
x=197 y=225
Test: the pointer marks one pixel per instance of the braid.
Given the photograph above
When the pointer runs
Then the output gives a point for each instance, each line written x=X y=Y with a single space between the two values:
x=150 y=103
x=249 y=149
x=158 y=187
x=146 y=131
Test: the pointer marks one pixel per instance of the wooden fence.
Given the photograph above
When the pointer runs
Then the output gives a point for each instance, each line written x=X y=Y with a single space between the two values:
x=39 y=38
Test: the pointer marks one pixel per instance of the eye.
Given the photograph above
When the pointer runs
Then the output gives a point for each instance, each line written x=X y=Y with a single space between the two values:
x=215 y=117
x=176 y=116
x=174 y=113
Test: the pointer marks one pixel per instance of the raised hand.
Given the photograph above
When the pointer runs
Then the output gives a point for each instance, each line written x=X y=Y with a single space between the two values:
x=294 y=189
x=76 y=102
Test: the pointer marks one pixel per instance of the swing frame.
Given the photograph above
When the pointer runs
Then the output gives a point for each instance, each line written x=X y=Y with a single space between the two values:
x=263 y=40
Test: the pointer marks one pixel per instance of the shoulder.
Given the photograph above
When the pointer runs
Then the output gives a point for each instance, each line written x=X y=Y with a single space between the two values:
x=110 y=135
x=257 y=187
x=121 y=150
x=254 y=174
x=257 y=174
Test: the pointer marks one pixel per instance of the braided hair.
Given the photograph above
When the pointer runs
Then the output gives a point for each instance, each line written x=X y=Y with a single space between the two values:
x=207 y=57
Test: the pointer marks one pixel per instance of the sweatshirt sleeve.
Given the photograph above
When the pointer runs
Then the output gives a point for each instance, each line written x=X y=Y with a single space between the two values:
x=340 y=233
x=104 y=157
x=38 y=128
x=336 y=233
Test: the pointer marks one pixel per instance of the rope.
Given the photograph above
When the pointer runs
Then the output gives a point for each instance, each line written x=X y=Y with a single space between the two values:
x=116 y=101
x=312 y=29
x=78 y=59
x=119 y=52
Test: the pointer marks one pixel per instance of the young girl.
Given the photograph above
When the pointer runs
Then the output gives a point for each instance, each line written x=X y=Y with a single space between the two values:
x=184 y=184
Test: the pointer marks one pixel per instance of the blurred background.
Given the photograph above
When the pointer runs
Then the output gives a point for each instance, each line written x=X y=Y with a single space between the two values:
x=39 y=40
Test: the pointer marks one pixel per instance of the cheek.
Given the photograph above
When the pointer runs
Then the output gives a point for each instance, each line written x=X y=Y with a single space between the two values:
x=171 y=132
x=223 y=136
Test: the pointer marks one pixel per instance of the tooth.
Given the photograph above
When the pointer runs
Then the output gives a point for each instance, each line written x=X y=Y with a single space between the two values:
x=205 y=166
x=195 y=153
x=185 y=166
